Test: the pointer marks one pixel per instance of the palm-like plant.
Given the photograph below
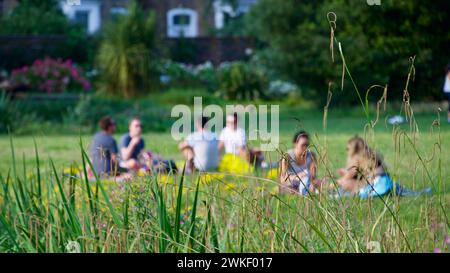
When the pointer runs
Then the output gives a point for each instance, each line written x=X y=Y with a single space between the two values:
x=125 y=56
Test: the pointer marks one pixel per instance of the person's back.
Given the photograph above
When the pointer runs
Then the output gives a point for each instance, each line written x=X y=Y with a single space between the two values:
x=103 y=148
x=206 y=153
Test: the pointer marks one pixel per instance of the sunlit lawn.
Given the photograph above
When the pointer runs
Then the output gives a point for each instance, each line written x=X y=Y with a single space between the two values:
x=246 y=212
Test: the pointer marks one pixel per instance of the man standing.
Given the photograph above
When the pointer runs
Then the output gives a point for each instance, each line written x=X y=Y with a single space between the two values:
x=200 y=148
x=131 y=146
x=103 y=148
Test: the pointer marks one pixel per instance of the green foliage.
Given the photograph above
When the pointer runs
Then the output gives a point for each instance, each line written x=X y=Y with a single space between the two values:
x=90 y=108
x=126 y=55
x=184 y=50
x=376 y=40
x=6 y=113
x=13 y=115
x=35 y=17
x=44 y=18
x=180 y=76
x=239 y=80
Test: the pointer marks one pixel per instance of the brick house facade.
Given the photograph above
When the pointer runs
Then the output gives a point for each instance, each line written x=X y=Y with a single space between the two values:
x=175 y=18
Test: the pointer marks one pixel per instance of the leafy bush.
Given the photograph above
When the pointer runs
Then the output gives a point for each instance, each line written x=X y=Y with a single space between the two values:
x=239 y=80
x=180 y=75
x=6 y=113
x=126 y=56
x=377 y=42
x=280 y=89
x=35 y=17
x=52 y=34
x=12 y=115
x=91 y=108
x=185 y=96
x=51 y=76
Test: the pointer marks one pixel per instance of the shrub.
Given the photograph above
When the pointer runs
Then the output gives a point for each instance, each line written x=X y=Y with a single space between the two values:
x=126 y=56
x=91 y=108
x=181 y=75
x=239 y=80
x=51 y=76
x=43 y=24
x=12 y=115
x=377 y=44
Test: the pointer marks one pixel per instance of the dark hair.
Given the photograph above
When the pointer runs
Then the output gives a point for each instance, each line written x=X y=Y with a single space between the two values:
x=447 y=68
x=203 y=120
x=106 y=122
x=299 y=135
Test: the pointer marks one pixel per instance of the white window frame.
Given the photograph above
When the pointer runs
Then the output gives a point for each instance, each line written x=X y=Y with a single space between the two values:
x=175 y=31
x=220 y=10
x=91 y=6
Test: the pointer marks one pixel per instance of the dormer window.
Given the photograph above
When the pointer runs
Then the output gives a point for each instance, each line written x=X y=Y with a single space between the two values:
x=182 y=22
x=86 y=13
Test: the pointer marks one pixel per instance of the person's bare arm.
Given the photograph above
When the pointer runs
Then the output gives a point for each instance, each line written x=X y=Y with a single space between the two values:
x=220 y=146
x=283 y=170
x=126 y=152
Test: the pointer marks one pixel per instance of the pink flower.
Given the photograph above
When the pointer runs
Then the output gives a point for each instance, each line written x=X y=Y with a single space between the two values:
x=447 y=239
x=437 y=250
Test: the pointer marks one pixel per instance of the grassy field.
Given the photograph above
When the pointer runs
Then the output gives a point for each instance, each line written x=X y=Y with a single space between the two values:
x=228 y=212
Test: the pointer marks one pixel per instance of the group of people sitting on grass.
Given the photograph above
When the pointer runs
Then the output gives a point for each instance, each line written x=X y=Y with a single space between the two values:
x=202 y=149
x=365 y=174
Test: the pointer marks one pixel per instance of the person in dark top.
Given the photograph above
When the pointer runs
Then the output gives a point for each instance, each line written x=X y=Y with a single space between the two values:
x=131 y=146
x=103 y=148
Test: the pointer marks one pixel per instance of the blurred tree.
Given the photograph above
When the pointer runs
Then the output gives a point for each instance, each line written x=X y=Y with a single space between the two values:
x=35 y=17
x=126 y=56
x=377 y=42
x=44 y=17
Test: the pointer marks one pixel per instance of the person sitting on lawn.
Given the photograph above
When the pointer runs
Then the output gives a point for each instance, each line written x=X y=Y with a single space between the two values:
x=103 y=148
x=131 y=146
x=233 y=141
x=232 y=138
x=200 y=149
x=365 y=174
x=298 y=168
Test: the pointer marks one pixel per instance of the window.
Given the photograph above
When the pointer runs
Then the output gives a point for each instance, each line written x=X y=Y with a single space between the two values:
x=81 y=18
x=87 y=14
x=223 y=14
x=182 y=22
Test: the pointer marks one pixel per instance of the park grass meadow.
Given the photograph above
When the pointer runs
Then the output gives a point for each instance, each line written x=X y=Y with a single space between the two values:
x=46 y=204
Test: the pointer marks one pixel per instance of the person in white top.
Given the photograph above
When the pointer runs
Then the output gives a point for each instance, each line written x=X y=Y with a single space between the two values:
x=200 y=149
x=447 y=90
x=232 y=138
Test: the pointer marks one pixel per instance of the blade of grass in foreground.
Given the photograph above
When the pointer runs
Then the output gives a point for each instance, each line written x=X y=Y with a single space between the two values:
x=38 y=172
x=75 y=223
x=190 y=240
x=178 y=207
x=114 y=214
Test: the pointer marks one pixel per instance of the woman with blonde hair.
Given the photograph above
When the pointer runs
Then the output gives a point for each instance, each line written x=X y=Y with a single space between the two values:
x=365 y=174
